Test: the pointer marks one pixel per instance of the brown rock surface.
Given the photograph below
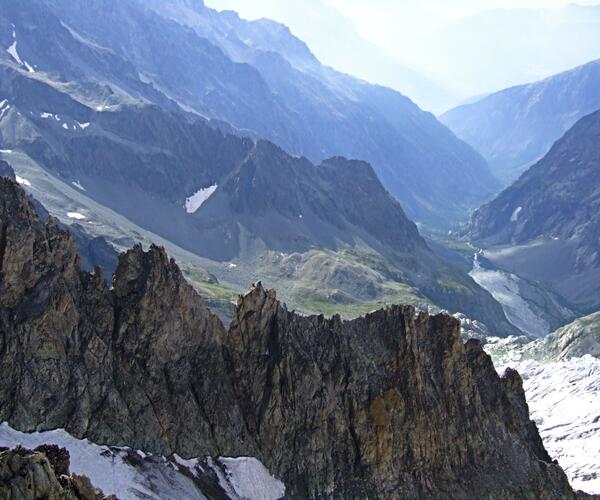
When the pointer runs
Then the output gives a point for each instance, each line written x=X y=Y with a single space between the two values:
x=32 y=475
x=392 y=405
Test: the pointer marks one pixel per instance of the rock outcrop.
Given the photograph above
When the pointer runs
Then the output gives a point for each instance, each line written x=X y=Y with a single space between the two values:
x=43 y=474
x=391 y=405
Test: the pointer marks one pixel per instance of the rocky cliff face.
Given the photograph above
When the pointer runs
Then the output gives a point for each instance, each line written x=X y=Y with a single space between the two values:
x=391 y=405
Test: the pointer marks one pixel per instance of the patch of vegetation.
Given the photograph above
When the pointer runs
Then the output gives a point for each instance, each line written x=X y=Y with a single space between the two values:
x=207 y=285
x=447 y=282
x=311 y=301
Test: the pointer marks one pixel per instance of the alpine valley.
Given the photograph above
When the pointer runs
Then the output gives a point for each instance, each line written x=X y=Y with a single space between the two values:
x=228 y=271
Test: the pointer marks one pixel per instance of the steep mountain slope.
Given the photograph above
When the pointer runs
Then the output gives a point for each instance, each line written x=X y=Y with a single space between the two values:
x=517 y=126
x=317 y=23
x=219 y=196
x=390 y=404
x=261 y=79
x=551 y=216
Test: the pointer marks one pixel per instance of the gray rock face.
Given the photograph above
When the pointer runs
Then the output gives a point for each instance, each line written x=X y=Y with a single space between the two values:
x=388 y=405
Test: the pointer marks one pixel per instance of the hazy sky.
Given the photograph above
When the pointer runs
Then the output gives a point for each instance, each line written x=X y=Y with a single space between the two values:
x=455 y=55
x=387 y=21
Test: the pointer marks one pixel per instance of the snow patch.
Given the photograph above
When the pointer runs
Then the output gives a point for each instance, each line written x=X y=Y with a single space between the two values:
x=504 y=287
x=23 y=182
x=46 y=115
x=78 y=185
x=564 y=401
x=192 y=464
x=3 y=108
x=515 y=215
x=83 y=126
x=65 y=126
x=75 y=215
x=6 y=151
x=12 y=50
x=194 y=202
x=251 y=480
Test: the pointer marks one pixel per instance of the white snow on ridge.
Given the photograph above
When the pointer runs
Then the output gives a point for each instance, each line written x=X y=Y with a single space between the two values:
x=12 y=50
x=564 y=401
x=22 y=181
x=251 y=480
x=504 y=287
x=78 y=185
x=151 y=476
x=194 y=202
x=75 y=215
x=515 y=215
x=106 y=470
x=4 y=107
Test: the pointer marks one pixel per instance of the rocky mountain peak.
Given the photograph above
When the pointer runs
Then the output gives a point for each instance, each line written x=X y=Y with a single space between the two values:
x=138 y=270
x=392 y=404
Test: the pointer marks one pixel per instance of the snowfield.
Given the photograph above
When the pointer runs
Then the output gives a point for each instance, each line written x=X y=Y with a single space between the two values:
x=75 y=215
x=194 y=202
x=133 y=474
x=564 y=401
x=12 y=50
x=22 y=181
x=250 y=479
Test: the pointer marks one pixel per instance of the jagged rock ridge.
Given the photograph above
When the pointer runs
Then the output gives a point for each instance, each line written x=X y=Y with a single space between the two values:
x=388 y=405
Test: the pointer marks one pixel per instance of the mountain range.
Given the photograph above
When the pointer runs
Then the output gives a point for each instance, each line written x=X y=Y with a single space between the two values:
x=516 y=127
x=317 y=23
x=259 y=78
x=546 y=225
x=95 y=152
